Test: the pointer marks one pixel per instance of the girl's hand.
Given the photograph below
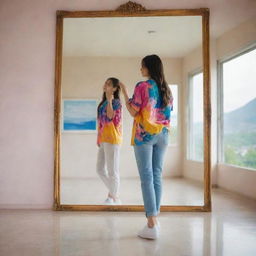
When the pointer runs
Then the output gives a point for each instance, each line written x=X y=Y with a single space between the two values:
x=124 y=91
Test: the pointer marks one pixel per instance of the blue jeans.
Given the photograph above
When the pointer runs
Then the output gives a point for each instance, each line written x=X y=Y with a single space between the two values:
x=149 y=158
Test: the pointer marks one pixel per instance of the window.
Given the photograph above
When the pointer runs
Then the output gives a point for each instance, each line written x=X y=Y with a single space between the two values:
x=173 y=138
x=195 y=147
x=237 y=110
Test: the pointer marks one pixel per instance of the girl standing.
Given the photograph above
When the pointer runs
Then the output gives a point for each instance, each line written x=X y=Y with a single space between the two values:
x=151 y=107
x=109 y=139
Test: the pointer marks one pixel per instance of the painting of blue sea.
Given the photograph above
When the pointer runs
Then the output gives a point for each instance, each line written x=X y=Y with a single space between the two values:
x=79 y=115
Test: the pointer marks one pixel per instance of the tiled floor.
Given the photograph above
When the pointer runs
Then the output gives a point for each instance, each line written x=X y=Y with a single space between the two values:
x=230 y=229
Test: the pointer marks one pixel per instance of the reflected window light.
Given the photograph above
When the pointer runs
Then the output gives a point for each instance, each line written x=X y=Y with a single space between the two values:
x=173 y=138
x=195 y=148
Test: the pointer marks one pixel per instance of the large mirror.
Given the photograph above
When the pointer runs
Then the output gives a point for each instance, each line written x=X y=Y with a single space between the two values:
x=94 y=46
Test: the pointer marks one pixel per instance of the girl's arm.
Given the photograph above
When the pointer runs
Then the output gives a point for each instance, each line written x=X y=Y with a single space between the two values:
x=131 y=110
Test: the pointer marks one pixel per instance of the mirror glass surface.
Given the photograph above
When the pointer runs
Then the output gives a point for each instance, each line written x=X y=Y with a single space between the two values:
x=95 y=49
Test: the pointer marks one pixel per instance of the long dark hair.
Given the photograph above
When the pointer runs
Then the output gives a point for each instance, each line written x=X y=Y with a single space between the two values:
x=156 y=71
x=115 y=83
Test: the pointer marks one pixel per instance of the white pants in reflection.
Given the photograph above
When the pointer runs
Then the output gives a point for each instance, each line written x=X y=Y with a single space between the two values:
x=108 y=166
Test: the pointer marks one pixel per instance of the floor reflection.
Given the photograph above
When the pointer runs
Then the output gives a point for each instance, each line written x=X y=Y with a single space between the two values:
x=176 y=191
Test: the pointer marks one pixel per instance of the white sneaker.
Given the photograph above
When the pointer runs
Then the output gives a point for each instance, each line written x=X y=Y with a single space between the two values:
x=149 y=233
x=117 y=202
x=108 y=201
x=158 y=224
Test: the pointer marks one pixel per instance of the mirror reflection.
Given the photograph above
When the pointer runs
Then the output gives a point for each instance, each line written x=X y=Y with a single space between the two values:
x=132 y=98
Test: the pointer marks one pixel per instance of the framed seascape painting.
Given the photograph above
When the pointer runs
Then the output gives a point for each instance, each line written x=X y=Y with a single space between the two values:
x=79 y=115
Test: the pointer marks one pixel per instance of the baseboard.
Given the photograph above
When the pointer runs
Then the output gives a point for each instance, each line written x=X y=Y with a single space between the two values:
x=26 y=206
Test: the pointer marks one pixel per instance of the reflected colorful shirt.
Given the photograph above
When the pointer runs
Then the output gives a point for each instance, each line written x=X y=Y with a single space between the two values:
x=151 y=117
x=110 y=130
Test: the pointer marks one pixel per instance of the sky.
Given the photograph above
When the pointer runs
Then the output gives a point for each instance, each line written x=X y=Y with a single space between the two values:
x=239 y=81
x=197 y=91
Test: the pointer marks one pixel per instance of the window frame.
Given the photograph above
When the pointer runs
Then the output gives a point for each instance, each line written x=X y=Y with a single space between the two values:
x=189 y=114
x=220 y=100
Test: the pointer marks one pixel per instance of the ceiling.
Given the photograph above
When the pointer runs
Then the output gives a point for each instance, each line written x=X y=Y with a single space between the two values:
x=132 y=36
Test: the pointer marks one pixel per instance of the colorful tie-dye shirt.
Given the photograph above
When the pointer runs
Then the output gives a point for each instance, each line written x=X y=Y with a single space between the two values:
x=151 y=117
x=110 y=130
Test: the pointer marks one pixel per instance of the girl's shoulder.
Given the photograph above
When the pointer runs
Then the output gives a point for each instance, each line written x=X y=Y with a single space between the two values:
x=102 y=104
x=143 y=84
x=151 y=82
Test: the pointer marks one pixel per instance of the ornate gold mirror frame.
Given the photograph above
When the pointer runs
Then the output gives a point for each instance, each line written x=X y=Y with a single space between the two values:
x=132 y=9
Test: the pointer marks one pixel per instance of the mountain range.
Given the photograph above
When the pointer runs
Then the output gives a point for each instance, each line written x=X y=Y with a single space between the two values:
x=242 y=119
